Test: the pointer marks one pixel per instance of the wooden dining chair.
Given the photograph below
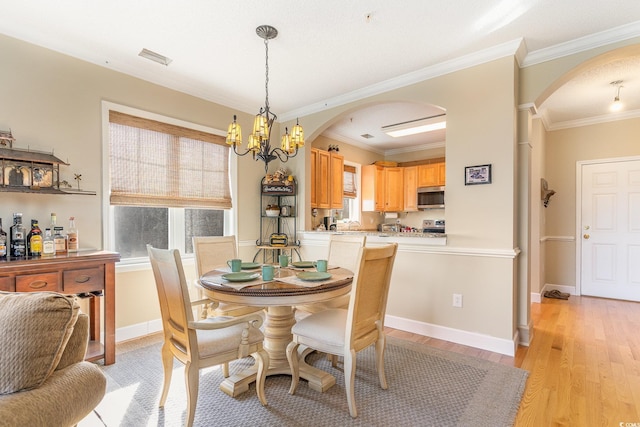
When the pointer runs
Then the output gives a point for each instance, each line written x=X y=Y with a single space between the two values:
x=203 y=343
x=212 y=252
x=343 y=251
x=343 y=332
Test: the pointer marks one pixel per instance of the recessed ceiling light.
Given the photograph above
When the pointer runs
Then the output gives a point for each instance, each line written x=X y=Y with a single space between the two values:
x=155 y=57
x=412 y=127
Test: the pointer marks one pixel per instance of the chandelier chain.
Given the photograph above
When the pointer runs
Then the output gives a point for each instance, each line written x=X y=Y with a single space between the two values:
x=266 y=77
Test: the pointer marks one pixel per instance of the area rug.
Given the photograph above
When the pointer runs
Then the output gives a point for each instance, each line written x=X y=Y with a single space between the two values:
x=427 y=387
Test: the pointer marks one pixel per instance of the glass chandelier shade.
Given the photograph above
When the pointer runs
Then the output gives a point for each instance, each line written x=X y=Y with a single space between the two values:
x=259 y=144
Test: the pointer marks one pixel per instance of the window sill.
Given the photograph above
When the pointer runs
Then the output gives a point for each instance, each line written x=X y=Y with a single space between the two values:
x=142 y=264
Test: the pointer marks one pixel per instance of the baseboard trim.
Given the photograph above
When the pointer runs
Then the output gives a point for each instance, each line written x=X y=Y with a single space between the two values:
x=525 y=334
x=138 y=330
x=471 y=339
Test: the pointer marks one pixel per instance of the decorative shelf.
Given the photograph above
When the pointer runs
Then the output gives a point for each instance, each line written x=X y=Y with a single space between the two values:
x=27 y=171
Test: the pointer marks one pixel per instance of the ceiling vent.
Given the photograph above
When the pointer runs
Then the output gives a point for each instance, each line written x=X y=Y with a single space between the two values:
x=366 y=136
x=155 y=57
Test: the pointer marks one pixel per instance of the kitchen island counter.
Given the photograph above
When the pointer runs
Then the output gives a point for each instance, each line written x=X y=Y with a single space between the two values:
x=436 y=239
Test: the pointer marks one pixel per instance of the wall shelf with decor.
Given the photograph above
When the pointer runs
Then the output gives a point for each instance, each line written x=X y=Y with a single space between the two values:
x=27 y=171
x=278 y=218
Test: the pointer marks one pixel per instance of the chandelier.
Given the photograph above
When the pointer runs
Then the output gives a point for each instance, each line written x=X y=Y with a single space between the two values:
x=259 y=144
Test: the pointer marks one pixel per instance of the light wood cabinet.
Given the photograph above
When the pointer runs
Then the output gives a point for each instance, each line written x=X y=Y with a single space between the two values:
x=336 y=180
x=431 y=175
x=411 y=188
x=382 y=189
x=314 y=181
x=394 y=189
x=327 y=177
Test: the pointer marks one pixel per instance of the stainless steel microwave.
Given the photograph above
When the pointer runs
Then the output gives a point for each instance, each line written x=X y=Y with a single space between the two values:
x=430 y=197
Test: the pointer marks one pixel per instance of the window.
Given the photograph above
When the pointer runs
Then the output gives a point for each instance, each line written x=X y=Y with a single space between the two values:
x=351 y=201
x=167 y=184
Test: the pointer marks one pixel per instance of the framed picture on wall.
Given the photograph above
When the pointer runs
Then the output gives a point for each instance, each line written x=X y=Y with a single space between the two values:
x=477 y=175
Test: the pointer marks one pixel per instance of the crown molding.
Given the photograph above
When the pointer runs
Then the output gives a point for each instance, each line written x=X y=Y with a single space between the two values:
x=447 y=67
x=623 y=32
x=590 y=120
x=352 y=142
x=357 y=144
x=428 y=146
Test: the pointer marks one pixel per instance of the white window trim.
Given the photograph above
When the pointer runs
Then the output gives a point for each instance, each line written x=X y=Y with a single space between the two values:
x=356 y=200
x=108 y=235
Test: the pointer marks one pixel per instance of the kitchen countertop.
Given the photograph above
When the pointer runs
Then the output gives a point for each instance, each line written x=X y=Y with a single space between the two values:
x=380 y=233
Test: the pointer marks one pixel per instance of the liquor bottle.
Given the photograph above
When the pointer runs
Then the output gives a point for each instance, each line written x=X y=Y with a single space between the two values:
x=3 y=241
x=35 y=239
x=52 y=222
x=48 y=245
x=72 y=236
x=59 y=241
x=17 y=245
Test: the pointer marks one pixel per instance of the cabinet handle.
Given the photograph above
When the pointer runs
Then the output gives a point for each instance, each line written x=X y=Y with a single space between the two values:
x=82 y=279
x=38 y=284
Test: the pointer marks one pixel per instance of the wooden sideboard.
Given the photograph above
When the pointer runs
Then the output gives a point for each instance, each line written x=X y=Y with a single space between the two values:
x=81 y=272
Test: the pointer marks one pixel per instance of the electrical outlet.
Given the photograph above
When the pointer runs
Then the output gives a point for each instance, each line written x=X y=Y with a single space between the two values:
x=457 y=300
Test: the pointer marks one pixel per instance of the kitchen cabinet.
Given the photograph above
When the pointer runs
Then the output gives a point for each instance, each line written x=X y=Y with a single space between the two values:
x=382 y=189
x=336 y=180
x=327 y=177
x=314 y=181
x=431 y=175
x=90 y=274
x=410 y=188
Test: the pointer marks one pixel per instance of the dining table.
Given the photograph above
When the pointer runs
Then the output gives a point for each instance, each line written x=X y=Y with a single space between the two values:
x=290 y=286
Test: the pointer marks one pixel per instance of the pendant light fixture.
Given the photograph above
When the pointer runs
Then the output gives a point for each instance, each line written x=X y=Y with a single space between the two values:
x=616 y=105
x=259 y=144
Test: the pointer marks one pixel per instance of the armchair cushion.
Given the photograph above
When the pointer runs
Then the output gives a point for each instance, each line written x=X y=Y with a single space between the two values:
x=41 y=324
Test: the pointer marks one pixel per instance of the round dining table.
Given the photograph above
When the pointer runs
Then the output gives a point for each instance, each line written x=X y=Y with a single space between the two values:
x=278 y=296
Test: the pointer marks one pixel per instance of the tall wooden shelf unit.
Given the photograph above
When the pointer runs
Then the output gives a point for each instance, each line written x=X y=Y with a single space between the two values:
x=274 y=230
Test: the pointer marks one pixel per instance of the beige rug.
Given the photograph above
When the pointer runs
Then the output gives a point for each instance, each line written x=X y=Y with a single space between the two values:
x=427 y=387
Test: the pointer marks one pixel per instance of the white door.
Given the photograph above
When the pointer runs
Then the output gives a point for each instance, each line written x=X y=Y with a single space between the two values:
x=611 y=230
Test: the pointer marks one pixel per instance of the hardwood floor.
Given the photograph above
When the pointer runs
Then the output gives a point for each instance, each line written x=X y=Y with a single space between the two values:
x=583 y=363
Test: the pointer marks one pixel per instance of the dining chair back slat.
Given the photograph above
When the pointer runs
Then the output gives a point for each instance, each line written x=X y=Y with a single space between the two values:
x=213 y=252
x=344 y=250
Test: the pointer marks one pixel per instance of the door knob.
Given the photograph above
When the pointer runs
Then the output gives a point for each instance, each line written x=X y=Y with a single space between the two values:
x=586 y=236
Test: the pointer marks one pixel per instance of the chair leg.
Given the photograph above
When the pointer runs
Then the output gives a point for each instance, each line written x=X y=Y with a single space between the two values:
x=262 y=359
x=167 y=366
x=334 y=360
x=225 y=369
x=192 y=380
x=349 y=378
x=292 y=357
x=380 y=346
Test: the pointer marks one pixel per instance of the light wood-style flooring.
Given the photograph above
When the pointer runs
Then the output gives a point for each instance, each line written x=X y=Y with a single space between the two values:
x=583 y=363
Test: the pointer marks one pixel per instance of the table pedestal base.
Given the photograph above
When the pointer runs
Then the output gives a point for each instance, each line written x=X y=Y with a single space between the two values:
x=277 y=336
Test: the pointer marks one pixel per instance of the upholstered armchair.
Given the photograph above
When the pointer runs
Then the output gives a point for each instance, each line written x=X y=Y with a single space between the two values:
x=44 y=380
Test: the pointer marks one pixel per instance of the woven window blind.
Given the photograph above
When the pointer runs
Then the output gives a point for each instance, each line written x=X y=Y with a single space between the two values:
x=162 y=165
x=350 y=182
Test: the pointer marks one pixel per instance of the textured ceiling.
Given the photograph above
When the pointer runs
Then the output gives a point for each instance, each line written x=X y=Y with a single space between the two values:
x=327 y=52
